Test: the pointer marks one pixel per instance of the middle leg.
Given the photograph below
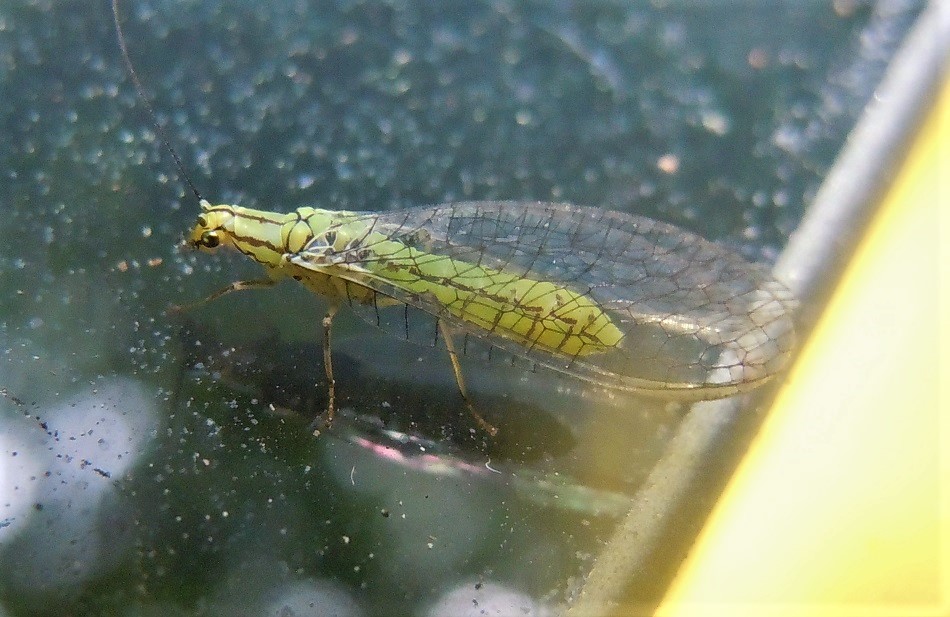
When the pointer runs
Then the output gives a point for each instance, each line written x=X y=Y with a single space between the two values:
x=328 y=360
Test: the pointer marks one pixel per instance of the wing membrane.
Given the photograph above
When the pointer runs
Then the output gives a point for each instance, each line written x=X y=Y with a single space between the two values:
x=697 y=321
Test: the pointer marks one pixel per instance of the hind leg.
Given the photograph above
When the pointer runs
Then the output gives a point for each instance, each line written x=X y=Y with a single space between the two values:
x=457 y=369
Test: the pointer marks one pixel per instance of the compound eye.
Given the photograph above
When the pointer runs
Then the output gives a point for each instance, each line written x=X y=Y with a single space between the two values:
x=210 y=240
x=202 y=221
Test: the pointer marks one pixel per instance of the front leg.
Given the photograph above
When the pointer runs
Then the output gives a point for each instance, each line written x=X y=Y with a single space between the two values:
x=235 y=286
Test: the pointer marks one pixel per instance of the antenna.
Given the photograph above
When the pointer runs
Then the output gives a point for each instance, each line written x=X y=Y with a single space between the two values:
x=141 y=93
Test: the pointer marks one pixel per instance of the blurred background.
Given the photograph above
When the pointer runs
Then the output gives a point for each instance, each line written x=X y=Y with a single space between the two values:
x=163 y=464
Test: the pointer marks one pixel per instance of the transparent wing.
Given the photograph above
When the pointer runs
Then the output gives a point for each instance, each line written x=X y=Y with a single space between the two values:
x=697 y=320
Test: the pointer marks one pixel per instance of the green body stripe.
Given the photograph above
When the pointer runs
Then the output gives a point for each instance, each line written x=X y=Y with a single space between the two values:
x=532 y=312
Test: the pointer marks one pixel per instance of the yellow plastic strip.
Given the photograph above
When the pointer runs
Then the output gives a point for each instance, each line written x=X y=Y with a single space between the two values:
x=842 y=506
